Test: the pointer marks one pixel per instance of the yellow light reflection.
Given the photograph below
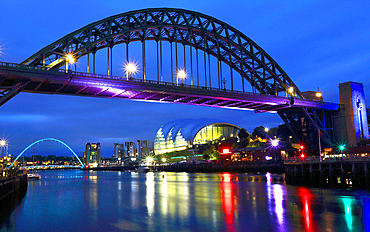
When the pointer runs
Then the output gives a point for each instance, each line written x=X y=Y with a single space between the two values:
x=150 y=192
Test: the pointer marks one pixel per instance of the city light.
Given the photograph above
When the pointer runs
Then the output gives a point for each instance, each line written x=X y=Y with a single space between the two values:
x=2 y=143
x=342 y=147
x=318 y=94
x=163 y=160
x=274 y=142
x=266 y=129
x=301 y=147
x=149 y=159
x=226 y=151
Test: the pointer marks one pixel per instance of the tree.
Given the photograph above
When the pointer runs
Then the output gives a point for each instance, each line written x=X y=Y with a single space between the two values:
x=244 y=137
x=259 y=132
x=13 y=170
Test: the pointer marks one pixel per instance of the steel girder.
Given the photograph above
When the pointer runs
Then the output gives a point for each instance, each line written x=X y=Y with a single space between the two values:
x=174 y=25
x=7 y=92
x=307 y=124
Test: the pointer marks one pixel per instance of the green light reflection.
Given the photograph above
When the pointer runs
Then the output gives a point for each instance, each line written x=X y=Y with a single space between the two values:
x=347 y=203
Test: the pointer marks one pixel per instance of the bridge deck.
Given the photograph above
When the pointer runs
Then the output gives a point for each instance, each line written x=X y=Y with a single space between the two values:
x=39 y=80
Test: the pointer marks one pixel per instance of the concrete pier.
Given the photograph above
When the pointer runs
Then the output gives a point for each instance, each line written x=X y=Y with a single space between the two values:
x=340 y=172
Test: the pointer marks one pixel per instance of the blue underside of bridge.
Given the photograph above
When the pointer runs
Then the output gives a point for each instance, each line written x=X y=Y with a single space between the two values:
x=94 y=85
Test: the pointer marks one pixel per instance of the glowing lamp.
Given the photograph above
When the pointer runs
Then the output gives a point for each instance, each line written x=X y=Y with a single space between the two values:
x=302 y=156
x=149 y=159
x=163 y=160
x=341 y=147
x=318 y=94
x=2 y=143
x=181 y=74
x=226 y=151
x=70 y=59
x=266 y=129
x=131 y=68
x=301 y=147
x=291 y=89
x=274 y=142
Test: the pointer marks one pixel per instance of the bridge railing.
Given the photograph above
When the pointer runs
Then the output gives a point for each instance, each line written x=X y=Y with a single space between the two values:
x=21 y=66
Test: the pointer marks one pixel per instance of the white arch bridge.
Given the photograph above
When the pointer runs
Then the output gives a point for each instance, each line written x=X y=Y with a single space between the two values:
x=47 y=139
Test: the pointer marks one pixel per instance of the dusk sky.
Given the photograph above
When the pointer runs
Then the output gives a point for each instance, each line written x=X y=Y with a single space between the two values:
x=317 y=43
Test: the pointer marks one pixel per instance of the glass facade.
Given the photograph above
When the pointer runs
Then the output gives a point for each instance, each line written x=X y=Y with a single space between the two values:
x=213 y=132
x=181 y=134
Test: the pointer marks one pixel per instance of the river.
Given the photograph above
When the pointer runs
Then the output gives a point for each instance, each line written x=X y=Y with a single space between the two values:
x=76 y=200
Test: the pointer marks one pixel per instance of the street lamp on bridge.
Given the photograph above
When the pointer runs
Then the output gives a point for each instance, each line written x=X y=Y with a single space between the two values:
x=4 y=147
x=291 y=90
x=69 y=60
x=182 y=75
x=131 y=68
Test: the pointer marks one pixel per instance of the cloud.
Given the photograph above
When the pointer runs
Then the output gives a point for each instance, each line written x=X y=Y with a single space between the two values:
x=24 y=118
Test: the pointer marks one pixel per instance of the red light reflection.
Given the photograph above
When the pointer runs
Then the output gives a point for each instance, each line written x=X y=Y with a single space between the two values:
x=227 y=197
x=307 y=198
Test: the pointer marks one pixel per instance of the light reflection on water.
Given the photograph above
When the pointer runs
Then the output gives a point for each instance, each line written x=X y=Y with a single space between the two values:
x=128 y=201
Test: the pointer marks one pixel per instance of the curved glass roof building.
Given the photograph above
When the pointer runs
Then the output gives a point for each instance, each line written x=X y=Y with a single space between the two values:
x=182 y=133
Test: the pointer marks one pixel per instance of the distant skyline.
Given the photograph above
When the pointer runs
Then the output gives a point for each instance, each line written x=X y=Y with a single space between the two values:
x=318 y=44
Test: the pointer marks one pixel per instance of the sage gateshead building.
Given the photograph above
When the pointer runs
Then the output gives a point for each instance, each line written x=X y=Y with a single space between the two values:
x=184 y=133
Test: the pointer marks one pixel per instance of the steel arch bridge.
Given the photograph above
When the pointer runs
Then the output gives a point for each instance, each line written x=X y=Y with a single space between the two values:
x=272 y=89
x=47 y=139
x=174 y=25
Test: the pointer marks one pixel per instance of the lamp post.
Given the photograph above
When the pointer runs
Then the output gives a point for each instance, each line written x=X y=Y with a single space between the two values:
x=291 y=90
x=182 y=75
x=69 y=60
x=4 y=146
x=131 y=68
x=224 y=82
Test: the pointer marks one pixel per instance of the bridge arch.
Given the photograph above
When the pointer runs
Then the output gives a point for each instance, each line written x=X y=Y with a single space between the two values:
x=45 y=139
x=189 y=28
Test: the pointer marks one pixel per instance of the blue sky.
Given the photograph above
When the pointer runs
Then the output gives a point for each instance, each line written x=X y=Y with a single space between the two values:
x=317 y=43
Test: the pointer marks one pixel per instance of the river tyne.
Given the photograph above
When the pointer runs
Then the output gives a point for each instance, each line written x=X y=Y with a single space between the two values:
x=76 y=200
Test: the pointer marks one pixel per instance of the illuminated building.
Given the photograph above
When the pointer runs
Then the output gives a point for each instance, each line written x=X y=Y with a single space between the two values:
x=92 y=154
x=118 y=150
x=184 y=133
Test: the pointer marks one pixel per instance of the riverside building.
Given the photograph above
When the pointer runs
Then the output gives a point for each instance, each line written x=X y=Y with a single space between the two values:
x=184 y=133
x=92 y=154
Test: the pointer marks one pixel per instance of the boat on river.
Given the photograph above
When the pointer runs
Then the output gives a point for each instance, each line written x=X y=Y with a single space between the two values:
x=33 y=176
x=142 y=169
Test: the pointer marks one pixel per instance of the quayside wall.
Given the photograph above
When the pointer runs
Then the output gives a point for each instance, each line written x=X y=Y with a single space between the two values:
x=12 y=191
x=342 y=173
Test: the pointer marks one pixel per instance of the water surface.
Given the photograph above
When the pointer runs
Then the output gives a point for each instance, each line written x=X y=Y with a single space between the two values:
x=78 y=200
